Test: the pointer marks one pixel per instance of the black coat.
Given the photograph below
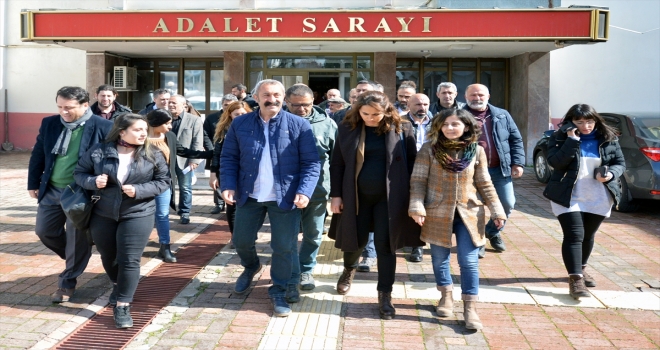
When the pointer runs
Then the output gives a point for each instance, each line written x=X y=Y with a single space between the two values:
x=149 y=179
x=119 y=110
x=403 y=230
x=564 y=157
x=210 y=122
x=42 y=160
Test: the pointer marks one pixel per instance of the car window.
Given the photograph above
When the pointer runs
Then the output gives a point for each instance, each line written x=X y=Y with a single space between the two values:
x=647 y=127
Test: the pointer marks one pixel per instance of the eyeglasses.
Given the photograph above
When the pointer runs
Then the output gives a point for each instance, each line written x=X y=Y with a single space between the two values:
x=303 y=105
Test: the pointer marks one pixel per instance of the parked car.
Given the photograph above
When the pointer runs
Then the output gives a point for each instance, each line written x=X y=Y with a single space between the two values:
x=639 y=137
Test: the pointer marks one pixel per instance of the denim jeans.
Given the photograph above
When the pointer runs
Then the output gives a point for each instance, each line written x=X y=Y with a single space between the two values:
x=504 y=188
x=163 y=216
x=185 y=190
x=370 y=249
x=284 y=226
x=313 y=219
x=468 y=260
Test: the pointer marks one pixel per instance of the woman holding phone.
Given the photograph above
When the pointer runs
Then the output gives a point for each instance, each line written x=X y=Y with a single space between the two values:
x=587 y=162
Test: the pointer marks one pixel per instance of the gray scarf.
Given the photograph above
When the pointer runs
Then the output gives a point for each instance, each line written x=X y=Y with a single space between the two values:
x=62 y=143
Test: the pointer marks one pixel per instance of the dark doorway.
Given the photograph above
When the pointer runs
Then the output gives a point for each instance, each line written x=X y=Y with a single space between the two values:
x=321 y=83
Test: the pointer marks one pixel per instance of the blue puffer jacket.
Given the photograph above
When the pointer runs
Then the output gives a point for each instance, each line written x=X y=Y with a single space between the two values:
x=296 y=165
x=508 y=141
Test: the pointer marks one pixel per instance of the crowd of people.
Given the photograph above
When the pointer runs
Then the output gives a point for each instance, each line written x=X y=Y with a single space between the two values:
x=396 y=174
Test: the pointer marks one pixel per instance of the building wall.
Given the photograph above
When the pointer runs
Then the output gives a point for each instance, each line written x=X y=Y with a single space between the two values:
x=622 y=75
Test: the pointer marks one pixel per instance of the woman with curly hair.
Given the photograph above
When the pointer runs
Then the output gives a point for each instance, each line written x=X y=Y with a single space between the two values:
x=370 y=186
x=450 y=172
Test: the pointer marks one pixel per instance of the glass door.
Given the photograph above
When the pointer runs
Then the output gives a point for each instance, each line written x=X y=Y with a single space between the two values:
x=291 y=78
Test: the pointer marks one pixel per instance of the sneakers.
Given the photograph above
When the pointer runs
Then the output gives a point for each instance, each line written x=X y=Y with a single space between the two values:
x=292 y=293
x=589 y=281
x=185 y=219
x=307 y=281
x=576 y=287
x=416 y=254
x=122 y=315
x=280 y=307
x=366 y=264
x=497 y=243
x=62 y=295
x=245 y=279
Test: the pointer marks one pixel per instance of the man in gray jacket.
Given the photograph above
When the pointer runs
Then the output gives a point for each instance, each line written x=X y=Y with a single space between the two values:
x=190 y=134
x=299 y=101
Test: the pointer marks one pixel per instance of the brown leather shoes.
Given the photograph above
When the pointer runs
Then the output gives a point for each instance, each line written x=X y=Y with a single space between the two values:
x=62 y=295
x=576 y=287
x=345 y=280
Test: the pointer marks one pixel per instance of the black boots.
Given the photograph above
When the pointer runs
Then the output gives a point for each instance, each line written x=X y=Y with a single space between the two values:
x=576 y=287
x=166 y=254
x=385 y=307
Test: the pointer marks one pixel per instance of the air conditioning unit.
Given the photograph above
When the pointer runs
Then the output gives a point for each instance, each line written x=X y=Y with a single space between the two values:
x=125 y=78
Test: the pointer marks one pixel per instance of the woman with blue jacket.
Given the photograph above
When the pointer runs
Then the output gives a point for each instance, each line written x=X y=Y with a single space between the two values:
x=127 y=172
x=584 y=184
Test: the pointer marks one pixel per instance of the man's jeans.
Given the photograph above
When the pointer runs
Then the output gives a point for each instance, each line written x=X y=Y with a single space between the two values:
x=468 y=260
x=504 y=188
x=163 y=216
x=370 y=249
x=284 y=227
x=313 y=219
x=185 y=190
x=68 y=242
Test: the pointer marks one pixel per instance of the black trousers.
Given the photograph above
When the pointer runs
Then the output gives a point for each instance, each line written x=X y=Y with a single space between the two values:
x=373 y=214
x=121 y=244
x=231 y=216
x=579 y=232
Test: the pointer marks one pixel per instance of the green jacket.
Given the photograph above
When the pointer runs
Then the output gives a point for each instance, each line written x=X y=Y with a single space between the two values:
x=325 y=133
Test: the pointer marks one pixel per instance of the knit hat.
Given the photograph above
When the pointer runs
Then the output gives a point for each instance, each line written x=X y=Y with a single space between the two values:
x=158 y=117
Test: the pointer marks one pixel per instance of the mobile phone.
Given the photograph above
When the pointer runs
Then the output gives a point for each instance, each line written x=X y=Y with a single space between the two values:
x=568 y=126
x=602 y=170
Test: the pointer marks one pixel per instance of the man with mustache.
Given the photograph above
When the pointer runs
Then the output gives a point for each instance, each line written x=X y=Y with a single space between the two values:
x=269 y=165
x=504 y=148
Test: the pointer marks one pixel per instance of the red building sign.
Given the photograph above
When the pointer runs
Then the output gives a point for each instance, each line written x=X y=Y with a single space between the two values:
x=542 y=24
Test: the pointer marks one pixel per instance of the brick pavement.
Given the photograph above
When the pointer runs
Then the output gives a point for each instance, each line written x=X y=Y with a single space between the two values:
x=207 y=315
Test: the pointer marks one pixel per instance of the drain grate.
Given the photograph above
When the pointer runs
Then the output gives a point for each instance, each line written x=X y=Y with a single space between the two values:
x=154 y=292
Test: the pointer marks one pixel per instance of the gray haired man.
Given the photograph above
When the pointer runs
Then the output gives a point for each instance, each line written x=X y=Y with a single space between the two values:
x=446 y=93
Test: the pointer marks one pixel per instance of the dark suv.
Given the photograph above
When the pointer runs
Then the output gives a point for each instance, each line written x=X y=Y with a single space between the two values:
x=640 y=142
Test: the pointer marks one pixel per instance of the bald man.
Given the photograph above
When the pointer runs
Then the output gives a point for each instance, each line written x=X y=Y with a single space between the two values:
x=504 y=148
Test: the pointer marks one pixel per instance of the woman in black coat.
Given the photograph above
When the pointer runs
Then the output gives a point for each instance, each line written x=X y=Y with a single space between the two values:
x=370 y=173
x=127 y=172
x=584 y=184
x=232 y=111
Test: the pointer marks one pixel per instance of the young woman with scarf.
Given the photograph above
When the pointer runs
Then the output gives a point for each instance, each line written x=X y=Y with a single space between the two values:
x=450 y=176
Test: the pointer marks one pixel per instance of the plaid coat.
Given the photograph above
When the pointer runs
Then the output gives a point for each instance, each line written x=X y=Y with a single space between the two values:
x=437 y=194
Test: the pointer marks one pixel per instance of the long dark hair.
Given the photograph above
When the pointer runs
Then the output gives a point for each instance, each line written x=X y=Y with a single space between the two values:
x=379 y=101
x=583 y=111
x=472 y=129
x=123 y=122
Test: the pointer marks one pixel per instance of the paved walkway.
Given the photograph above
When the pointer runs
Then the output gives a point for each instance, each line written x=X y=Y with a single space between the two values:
x=523 y=290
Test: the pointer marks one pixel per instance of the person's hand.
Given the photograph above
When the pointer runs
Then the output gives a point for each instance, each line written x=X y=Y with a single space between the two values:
x=516 y=171
x=301 y=201
x=34 y=193
x=605 y=179
x=193 y=166
x=101 y=180
x=336 y=205
x=213 y=181
x=228 y=196
x=129 y=190
x=499 y=223
x=418 y=219
x=573 y=133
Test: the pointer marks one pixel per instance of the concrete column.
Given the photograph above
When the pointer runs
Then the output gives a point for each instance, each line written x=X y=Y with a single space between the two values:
x=530 y=96
x=100 y=70
x=385 y=72
x=234 y=70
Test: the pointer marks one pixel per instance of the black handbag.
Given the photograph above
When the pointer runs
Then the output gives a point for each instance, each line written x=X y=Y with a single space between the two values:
x=77 y=204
